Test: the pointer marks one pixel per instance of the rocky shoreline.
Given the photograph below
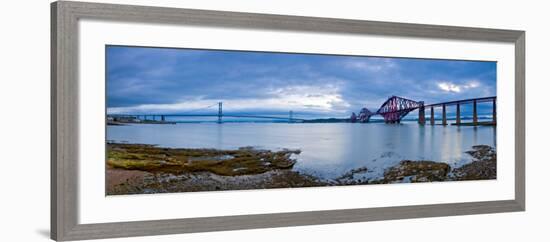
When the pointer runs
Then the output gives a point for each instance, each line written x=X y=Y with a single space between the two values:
x=142 y=169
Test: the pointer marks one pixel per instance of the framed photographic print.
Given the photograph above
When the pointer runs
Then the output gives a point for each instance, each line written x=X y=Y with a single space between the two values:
x=242 y=120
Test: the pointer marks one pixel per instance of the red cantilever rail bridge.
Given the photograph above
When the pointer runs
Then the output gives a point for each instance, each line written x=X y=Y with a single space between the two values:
x=396 y=108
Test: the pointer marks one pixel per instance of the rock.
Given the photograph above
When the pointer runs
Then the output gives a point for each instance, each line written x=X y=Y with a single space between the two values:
x=483 y=166
x=346 y=177
x=417 y=171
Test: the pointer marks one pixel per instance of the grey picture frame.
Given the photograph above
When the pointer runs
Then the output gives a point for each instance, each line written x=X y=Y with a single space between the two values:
x=64 y=118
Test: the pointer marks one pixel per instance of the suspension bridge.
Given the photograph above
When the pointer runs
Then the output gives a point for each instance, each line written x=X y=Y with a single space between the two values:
x=220 y=114
x=393 y=110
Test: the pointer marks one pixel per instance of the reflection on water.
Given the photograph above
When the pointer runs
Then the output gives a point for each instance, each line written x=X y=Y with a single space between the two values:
x=328 y=149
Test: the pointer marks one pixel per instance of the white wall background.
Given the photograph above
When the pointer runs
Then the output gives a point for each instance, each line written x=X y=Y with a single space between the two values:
x=24 y=119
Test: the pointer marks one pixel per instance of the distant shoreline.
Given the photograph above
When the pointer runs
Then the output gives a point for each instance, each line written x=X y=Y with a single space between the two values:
x=120 y=123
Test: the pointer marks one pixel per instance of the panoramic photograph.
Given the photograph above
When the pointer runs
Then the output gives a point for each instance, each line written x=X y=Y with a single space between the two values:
x=191 y=120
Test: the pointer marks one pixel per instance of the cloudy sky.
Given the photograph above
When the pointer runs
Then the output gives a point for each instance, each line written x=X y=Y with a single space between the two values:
x=161 y=81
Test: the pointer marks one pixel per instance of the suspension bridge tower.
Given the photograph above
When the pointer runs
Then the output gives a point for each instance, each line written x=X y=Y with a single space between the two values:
x=220 y=112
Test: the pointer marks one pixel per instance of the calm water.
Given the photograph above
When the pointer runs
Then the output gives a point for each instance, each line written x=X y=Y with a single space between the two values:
x=328 y=150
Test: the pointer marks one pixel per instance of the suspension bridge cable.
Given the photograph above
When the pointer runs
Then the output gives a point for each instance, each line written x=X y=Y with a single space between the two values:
x=199 y=109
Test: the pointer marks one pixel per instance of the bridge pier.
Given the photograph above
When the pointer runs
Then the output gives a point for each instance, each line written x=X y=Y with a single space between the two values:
x=220 y=113
x=458 y=114
x=162 y=118
x=444 y=116
x=422 y=114
x=432 y=119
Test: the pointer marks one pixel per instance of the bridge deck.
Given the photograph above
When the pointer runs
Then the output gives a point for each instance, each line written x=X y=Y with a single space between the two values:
x=471 y=100
x=203 y=115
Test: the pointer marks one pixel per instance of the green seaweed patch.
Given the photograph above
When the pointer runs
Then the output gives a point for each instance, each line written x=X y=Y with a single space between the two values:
x=416 y=171
x=244 y=161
